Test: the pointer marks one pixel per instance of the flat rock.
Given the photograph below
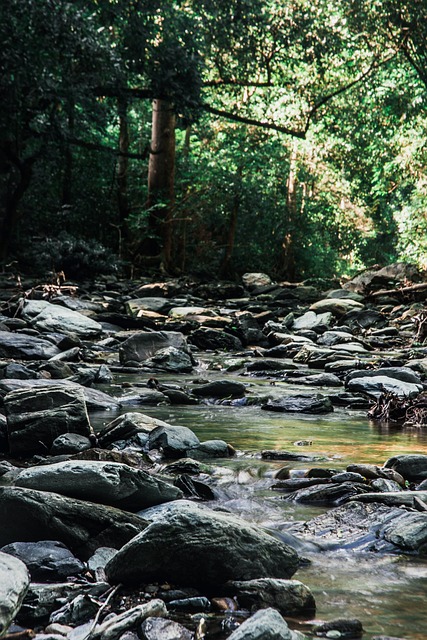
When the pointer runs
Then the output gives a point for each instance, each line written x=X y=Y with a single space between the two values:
x=289 y=597
x=193 y=546
x=107 y=483
x=94 y=398
x=47 y=317
x=220 y=389
x=336 y=306
x=14 y=582
x=377 y=385
x=301 y=403
x=24 y=347
x=163 y=629
x=311 y=320
x=81 y=526
x=157 y=305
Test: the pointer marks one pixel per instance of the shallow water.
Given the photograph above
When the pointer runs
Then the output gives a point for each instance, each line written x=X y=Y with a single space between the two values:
x=387 y=593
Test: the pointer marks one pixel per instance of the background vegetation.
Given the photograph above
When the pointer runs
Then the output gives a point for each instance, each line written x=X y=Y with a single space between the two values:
x=287 y=136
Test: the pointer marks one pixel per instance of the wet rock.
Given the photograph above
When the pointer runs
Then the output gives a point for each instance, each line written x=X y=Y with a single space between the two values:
x=43 y=599
x=376 y=386
x=289 y=597
x=69 y=443
x=398 y=373
x=126 y=426
x=194 y=546
x=194 y=488
x=47 y=317
x=275 y=454
x=107 y=483
x=171 y=359
x=270 y=364
x=162 y=629
x=177 y=396
x=321 y=380
x=19 y=371
x=173 y=441
x=265 y=624
x=190 y=605
x=145 y=344
x=100 y=558
x=46 y=560
x=346 y=627
x=80 y=610
x=25 y=347
x=81 y=526
x=220 y=389
x=94 y=399
x=347 y=476
x=334 y=494
x=399 y=499
x=365 y=319
x=212 y=449
x=208 y=339
x=383 y=485
x=301 y=403
x=412 y=466
x=14 y=582
x=36 y=416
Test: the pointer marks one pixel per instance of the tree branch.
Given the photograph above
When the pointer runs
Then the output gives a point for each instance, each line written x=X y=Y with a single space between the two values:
x=95 y=146
x=251 y=121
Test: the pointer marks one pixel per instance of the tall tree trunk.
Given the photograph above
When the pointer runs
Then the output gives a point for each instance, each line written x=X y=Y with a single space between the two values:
x=67 y=178
x=17 y=189
x=224 y=269
x=123 y=165
x=288 y=266
x=161 y=179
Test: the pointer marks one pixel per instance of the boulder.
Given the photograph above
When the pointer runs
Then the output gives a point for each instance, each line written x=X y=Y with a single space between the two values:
x=162 y=629
x=107 y=483
x=24 y=347
x=270 y=364
x=208 y=339
x=313 y=321
x=47 y=317
x=220 y=389
x=377 y=385
x=126 y=426
x=411 y=466
x=404 y=374
x=82 y=526
x=336 y=306
x=265 y=624
x=174 y=441
x=36 y=416
x=94 y=398
x=157 y=305
x=301 y=403
x=171 y=359
x=14 y=582
x=144 y=344
x=289 y=597
x=69 y=443
x=193 y=546
x=254 y=280
x=46 y=560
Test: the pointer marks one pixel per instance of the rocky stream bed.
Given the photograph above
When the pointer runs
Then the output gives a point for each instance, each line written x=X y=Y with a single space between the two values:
x=120 y=520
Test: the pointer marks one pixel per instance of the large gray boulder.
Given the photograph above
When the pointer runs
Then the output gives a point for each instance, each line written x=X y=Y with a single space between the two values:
x=171 y=359
x=108 y=483
x=144 y=344
x=36 y=416
x=174 y=441
x=377 y=385
x=82 y=526
x=220 y=389
x=14 y=582
x=47 y=317
x=289 y=597
x=94 y=398
x=23 y=347
x=266 y=624
x=47 y=560
x=189 y=545
x=412 y=466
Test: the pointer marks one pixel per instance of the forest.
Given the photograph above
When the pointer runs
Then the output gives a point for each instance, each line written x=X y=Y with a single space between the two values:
x=213 y=137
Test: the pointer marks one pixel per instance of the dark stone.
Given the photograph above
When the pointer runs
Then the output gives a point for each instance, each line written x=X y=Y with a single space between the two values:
x=24 y=347
x=46 y=560
x=174 y=441
x=412 y=467
x=70 y=443
x=220 y=389
x=348 y=628
x=301 y=403
x=207 y=339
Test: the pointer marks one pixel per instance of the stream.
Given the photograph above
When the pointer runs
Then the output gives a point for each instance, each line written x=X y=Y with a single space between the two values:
x=386 y=592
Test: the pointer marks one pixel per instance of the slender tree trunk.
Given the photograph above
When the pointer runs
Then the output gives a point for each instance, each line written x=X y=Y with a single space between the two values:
x=67 y=178
x=11 y=214
x=161 y=178
x=123 y=165
x=224 y=269
x=288 y=267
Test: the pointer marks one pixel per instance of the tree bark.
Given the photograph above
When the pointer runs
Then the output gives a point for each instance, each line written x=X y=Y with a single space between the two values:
x=287 y=266
x=161 y=180
x=123 y=165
